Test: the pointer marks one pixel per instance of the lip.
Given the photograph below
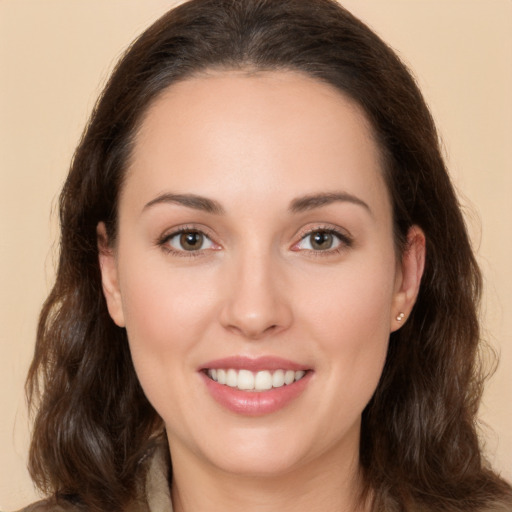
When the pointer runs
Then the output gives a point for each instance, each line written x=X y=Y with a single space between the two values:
x=255 y=403
x=270 y=363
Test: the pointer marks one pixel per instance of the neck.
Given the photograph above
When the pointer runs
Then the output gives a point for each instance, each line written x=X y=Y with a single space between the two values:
x=332 y=484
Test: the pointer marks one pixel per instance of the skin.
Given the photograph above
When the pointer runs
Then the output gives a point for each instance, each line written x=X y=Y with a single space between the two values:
x=254 y=143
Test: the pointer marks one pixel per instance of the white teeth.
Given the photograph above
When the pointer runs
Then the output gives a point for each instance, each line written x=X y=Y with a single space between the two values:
x=221 y=376
x=259 y=381
x=245 y=379
x=263 y=381
x=231 y=378
x=278 y=379
x=289 y=377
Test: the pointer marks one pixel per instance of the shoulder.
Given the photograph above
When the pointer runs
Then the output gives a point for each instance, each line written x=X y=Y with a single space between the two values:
x=501 y=506
x=504 y=502
x=52 y=505
x=153 y=493
x=59 y=505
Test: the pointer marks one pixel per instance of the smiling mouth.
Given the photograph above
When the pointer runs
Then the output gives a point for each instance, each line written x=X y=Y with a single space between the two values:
x=245 y=380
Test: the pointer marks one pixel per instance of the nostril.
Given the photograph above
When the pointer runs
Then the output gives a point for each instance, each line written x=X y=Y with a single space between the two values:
x=253 y=332
x=252 y=312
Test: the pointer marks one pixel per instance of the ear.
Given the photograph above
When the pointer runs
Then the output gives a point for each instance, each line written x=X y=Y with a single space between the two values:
x=109 y=276
x=408 y=278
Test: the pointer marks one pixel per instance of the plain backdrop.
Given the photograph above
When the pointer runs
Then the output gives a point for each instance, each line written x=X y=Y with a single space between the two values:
x=56 y=54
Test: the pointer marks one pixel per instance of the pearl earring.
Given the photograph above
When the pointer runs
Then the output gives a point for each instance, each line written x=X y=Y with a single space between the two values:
x=400 y=317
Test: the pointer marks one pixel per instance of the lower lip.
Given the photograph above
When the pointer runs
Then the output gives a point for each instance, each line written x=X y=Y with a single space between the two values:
x=255 y=403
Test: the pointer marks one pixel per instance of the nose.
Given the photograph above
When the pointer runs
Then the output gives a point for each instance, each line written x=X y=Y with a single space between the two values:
x=256 y=300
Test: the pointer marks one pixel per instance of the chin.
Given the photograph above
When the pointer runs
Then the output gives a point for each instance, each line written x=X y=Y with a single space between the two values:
x=265 y=464
x=269 y=451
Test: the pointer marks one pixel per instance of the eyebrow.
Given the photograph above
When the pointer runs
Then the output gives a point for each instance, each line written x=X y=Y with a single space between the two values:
x=298 y=205
x=309 y=202
x=190 y=201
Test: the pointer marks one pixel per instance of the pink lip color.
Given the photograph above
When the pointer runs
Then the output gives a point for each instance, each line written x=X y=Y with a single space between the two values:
x=260 y=363
x=255 y=403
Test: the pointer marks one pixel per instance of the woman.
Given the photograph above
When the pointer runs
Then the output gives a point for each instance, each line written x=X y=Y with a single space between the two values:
x=258 y=282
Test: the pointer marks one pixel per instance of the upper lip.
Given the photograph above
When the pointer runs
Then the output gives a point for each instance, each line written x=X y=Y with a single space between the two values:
x=254 y=364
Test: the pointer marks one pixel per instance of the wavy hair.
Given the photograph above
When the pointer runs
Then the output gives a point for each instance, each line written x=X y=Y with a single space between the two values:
x=419 y=445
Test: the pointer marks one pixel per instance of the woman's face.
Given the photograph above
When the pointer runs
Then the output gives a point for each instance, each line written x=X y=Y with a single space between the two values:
x=255 y=247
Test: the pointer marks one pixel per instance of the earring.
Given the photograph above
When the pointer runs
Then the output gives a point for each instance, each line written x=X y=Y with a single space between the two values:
x=400 y=317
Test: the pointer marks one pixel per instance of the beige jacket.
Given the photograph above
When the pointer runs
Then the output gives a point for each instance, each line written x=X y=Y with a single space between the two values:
x=153 y=496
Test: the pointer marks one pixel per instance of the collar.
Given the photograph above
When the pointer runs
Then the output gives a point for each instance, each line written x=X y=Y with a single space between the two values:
x=156 y=492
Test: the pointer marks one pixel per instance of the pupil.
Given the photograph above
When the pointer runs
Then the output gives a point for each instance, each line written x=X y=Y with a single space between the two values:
x=322 y=240
x=191 y=240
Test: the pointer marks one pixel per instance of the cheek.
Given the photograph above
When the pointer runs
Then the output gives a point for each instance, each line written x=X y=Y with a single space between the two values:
x=349 y=303
x=349 y=319
x=166 y=314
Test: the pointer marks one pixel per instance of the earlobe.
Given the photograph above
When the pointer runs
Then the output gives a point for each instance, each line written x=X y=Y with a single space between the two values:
x=109 y=276
x=408 y=277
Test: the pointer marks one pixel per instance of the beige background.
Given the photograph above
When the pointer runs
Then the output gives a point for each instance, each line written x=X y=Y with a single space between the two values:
x=54 y=56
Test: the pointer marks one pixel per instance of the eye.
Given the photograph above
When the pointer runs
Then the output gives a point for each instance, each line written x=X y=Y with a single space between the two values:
x=323 y=240
x=188 y=240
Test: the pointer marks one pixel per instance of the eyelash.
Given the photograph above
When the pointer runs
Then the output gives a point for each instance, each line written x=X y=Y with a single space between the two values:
x=345 y=240
x=163 y=242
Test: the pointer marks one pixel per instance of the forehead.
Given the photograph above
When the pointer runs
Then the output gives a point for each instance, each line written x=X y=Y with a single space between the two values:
x=254 y=134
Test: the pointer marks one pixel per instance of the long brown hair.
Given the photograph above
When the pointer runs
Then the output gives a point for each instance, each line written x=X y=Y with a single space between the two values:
x=419 y=445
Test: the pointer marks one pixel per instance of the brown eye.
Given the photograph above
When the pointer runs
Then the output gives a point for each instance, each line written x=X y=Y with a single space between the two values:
x=321 y=240
x=189 y=241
